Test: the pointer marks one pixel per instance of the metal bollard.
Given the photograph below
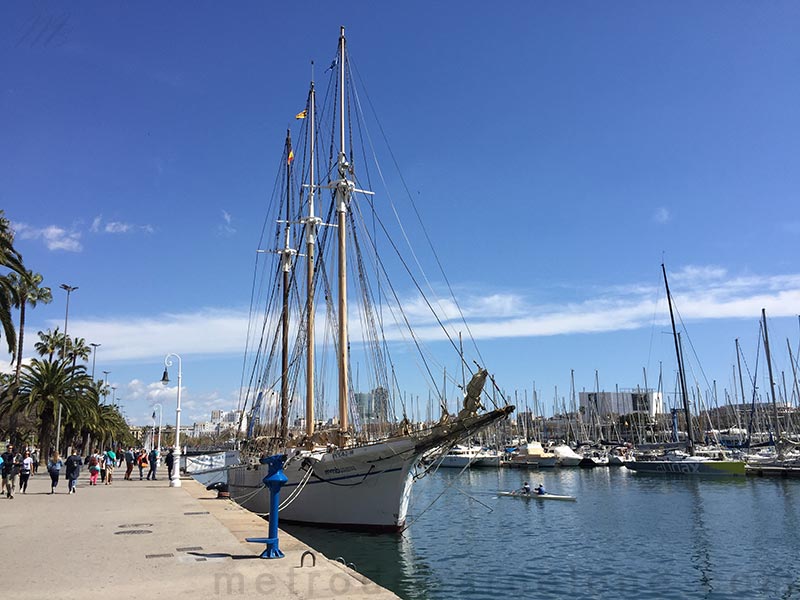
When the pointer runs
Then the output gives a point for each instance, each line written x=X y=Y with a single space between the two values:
x=274 y=480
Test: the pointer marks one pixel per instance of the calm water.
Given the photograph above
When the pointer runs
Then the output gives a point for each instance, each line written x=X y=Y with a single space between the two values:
x=627 y=536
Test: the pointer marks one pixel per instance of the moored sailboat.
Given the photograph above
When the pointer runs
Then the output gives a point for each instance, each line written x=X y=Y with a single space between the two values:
x=676 y=462
x=342 y=476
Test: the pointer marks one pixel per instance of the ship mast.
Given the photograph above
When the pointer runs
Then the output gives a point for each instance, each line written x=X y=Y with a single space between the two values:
x=771 y=382
x=344 y=189
x=287 y=254
x=311 y=237
x=681 y=375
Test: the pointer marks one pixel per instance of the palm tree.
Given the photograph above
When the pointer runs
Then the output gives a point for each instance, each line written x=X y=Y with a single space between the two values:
x=44 y=384
x=78 y=348
x=29 y=291
x=49 y=343
x=11 y=259
x=112 y=426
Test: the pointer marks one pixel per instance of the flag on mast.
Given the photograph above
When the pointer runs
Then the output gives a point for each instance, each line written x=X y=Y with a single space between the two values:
x=302 y=115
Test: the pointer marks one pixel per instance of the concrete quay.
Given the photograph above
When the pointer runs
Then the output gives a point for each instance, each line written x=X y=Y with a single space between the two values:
x=140 y=539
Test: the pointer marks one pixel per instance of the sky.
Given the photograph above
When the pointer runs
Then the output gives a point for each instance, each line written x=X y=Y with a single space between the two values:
x=559 y=152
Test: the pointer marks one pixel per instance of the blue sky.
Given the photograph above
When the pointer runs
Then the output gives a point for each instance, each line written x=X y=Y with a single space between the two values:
x=559 y=151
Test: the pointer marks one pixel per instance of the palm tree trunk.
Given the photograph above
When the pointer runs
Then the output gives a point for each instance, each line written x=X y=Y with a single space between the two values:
x=45 y=435
x=21 y=338
x=12 y=421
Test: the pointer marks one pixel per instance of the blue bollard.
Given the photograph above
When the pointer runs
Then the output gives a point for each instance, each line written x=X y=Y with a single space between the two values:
x=274 y=480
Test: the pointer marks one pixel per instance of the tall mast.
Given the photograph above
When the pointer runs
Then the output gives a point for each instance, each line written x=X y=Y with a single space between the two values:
x=287 y=254
x=771 y=379
x=311 y=238
x=681 y=376
x=343 y=192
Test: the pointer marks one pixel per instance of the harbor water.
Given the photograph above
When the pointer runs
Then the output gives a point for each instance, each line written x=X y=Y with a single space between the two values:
x=627 y=536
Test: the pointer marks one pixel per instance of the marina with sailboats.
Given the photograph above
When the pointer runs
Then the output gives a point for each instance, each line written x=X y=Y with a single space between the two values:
x=503 y=325
x=359 y=471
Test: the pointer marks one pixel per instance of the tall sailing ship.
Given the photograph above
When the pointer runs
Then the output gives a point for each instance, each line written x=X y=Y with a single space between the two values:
x=359 y=471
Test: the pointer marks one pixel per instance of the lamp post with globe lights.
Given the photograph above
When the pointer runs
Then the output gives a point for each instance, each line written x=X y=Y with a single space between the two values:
x=176 y=472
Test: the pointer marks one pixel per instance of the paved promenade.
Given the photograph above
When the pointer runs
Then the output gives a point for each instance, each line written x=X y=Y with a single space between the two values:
x=142 y=539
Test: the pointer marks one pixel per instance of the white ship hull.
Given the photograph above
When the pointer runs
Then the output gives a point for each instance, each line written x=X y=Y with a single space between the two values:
x=362 y=487
x=470 y=457
x=365 y=487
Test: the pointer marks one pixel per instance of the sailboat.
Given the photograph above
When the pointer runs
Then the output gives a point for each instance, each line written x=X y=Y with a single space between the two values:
x=359 y=471
x=689 y=462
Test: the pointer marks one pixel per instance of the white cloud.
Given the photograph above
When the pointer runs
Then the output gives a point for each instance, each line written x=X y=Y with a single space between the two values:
x=114 y=227
x=54 y=237
x=117 y=227
x=662 y=215
x=226 y=227
x=701 y=293
x=693 y=273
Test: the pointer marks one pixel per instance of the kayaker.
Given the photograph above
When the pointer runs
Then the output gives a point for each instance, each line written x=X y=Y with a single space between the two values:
x=540 y=490
x=526 y=488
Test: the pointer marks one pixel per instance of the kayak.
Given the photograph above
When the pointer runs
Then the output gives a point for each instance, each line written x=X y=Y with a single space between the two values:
x=535 y=496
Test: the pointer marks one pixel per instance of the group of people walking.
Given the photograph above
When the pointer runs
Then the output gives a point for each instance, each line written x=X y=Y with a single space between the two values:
x=146 y=460
x=16 y=466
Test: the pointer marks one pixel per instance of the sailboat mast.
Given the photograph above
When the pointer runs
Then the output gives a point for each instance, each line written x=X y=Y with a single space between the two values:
x=771 y=379
x=286 y=266
x=681 y=376
x=343 y=190
x=311 y=239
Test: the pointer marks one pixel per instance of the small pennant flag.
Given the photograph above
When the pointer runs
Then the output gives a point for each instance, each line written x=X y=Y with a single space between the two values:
x=301 y=115
x=291 y=157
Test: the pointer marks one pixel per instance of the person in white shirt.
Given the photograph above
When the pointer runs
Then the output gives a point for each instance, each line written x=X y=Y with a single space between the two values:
x=25 y=472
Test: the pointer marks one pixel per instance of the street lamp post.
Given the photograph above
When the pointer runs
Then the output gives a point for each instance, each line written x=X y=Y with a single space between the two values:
x=69 y=289
x=94 y=356
x=105 y=386
x=113 y=394
x=160 y=419
x=176 y=471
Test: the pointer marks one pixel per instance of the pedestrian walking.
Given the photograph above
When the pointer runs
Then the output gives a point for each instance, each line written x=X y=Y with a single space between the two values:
x=35 y=457
x=153 y=459
x=11 y=466
x=169 y=460
x=129 y=460
x=25 y=472
x=73 y=468
x=94 y=468
x=54 y=468
x=141 y=461
x=101 y=457
x=111 y=460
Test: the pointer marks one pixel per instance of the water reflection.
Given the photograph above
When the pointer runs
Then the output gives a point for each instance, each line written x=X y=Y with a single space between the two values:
x=627 y=536
x=388 y=560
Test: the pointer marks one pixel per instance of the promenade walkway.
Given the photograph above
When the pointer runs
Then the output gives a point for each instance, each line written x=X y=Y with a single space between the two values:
x=142 y=539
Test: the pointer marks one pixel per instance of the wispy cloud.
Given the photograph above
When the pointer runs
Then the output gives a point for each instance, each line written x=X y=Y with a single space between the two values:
x=117 y=227
x=143 y=397
x=700 y=293
x=53 y=236
x=662 y=215
x=226 y=228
